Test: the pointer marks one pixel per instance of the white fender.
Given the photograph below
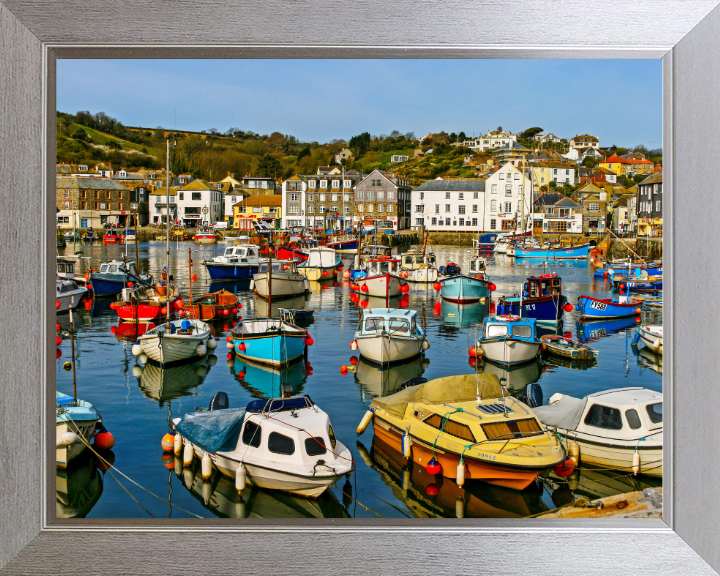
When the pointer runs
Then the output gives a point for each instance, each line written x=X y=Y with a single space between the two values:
x=230 y=345
x=406 y=445
x=206 y=466
x=574 y=453
x=67 y=439
x=240 y=478
x=364 y=422
x=188 y=455
x=425 y=345
x=211 y=343
x=177 y=444
x=136 y=349
x=143 y=358
x=201 y=349
x=636 y=463
x=460 y=474
x=178 y=466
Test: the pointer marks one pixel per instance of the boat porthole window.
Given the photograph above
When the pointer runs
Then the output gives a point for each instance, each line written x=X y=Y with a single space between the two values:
x=252 y=434
x=281 y=444
x=601 y=416
x=633 y=419
x=315 y=446
x=655 y=412
x=331 y=433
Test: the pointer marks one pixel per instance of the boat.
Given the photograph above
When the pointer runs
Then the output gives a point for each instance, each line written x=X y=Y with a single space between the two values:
x=382 y=278
x=165 y=384
x=268 y=341
x=90 y=236
x=296 y=248
x=68 y=294
x=205 y=235
x=368 y=252
x=285 y=280
x=264 y=381
x=321 y=264
x=619 y=428
x=65 y=268
x=174 y=341
x=389 y=335
x=114 y=276
x=220 y=305
x=377 y=380
x=129 y=235
x=509 y=339
x=504 y=241
x=485 y=242
x=567 y=348
x=285 y=444
x=71 y=236
x=466 y=428
x=111 y=236
x=297 y=315
x=76 y=423
x=418 y=267
x=235 y=263
x=542 y=299
x=78 y=487
x=342 y=243
x=464 y=289
x=559 y=253
x=590 y=330
x=651 y=335
x=146 y=303
x=590 y=307
x=178 y=232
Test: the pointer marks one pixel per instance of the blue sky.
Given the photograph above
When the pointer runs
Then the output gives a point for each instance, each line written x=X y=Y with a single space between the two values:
x=619 y=101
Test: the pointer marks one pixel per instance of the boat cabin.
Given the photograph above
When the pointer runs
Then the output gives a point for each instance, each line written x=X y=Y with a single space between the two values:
x=66 y=269
x=321 y=258
x=543 y=285
x=477 y=264
x=389 y=320
x=243 y=254
x=278 y=266
x=380 y=266
x=376 y=250
x=513 y=327
x=413 y=260
x=117 y=267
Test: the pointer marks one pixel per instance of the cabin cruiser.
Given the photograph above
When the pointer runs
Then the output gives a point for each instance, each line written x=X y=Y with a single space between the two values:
x=235 y=263
x=388 y=335
x=418 y=267
x=113 y=276
x=620 y=428
x=509 y=339
x=286 y=280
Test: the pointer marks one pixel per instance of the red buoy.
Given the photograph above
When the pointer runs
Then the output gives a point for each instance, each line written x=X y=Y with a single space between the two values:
x=113 y=329
x=309 y=341
x=567 y=334
x=194 y=277
x=168 y=443
x=325 y=273
x=163 y=310
x=229 y=356
x=226 y=312
x=473 y=362
x=179 y=304
x=354 y=360
x=638 y=319
x=129 y=284
x=364 y=303
x=472 y=351
x=364 y=288
x=242 y=347
x=235 y=310
x=568 y=307
x=104 y=441
x=108 y=459
x=58 y=340
x=403 y=304
x=437 y=285
x=492 y=287
x=58 y=353
x=57 y=304
x=638 y=310
x=565 y=469
x=433 y=467
x=432 y=489
x=112 y=306
x=621 y=286
x=57 y=327
x=343 y=370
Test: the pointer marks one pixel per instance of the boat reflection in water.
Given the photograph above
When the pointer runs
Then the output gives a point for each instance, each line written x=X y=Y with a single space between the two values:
x=426 y=495
x=594 y=330
x=517 y=376
x=167 y=384
x=648 y=359
x=129 y=331
x=378 y=381
x=233 y=286
x=264 y=381
x=593 y=484
x=573 y=364
x=261 y=306
x=79 y=486
x=371 y=302
x=457 y=316
x=219 y=496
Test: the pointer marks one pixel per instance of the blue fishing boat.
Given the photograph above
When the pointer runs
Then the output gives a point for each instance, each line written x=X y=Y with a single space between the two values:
x=264 y=381
x=596 y=329
x=590 y=307
x=344 y=244
x=542 y=299
x=464 y=289
x=571 y=253
x=485 y=242
x=268 y=341
x=113 y=277
x=509 y=339
x=236 y=263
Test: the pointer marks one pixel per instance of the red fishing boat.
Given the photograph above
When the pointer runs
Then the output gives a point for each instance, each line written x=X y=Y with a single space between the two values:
x=146 y=303
x=111 y=237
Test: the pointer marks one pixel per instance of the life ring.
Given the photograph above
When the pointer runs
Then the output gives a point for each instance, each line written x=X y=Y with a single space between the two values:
x=547 y=276
x=508 y=318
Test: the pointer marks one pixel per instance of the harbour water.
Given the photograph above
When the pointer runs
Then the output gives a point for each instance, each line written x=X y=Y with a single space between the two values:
x=138 y=402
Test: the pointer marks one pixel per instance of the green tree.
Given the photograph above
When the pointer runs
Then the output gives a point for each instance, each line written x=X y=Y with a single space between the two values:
x=530 y=132
x=589 y=162
x=360 y=144
x=269 y=166
x=79 y=134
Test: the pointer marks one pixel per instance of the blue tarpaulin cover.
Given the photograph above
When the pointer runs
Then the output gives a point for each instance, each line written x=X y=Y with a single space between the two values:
x=214 y=430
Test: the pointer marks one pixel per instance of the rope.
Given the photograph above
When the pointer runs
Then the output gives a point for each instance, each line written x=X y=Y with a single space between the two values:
x=357 y=501
x=443 y=421
x=311 y=436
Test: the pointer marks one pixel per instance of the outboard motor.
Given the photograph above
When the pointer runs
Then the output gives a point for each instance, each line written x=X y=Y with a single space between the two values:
x=533 y=395
x=219 y=402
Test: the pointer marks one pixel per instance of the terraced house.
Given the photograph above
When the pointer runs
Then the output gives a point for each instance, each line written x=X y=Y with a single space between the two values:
x=266 y=208
x=84 y=202
x=383 y=200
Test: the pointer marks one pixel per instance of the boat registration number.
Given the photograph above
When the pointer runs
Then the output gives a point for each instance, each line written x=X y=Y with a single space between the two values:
x=598 y=305
x=530 y=307
x=487 y=456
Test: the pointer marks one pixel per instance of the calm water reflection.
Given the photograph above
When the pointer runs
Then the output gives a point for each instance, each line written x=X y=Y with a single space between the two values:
x=137 y=402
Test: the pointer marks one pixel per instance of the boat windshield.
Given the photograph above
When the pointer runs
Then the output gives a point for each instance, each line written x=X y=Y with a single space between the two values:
x=655 y=412
x=374 y=324
x=495 y=330
x=399 y=325
x=131 y=268
x=104 y=268
x=228 y=252
x=522 y=331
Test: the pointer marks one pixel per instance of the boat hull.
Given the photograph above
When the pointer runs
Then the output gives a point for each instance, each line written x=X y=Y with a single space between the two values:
x=230 y=271
x=70 y=300
x=575 y=253
x=205 y=239
x=593 y=308
x=344 y=245
x=651 y=339
x=318 y=273
x=464 y=289
x=422 y=275
x=386 y=349
x=545 y=308
x=143 y=312
x=383 y=286
x=274 y=350
x=171 y=348
x=285 y=253
x=66 y=454
x=284 y=285
x=509 y=351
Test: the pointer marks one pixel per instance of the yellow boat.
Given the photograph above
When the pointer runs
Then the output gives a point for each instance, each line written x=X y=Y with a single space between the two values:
x=471 y=426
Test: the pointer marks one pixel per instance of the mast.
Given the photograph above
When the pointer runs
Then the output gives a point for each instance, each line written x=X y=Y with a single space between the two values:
x=167 y=234
x=190 y=272
x=269 y=273
x=137 y=258
x=523 y=202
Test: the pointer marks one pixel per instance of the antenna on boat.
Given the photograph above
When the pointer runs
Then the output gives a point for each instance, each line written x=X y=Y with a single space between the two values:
x=502 y=390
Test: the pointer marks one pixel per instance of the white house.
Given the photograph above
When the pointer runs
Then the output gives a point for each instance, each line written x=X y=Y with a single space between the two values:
x=508 y=197
x=493 y=139
x=554 y=213
x=549 y=137
x=579 y=154
x=584 y=141
x=199 y=203
x=396 y=158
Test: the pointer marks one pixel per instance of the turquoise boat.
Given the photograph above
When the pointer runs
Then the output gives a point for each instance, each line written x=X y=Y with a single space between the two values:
x=76 y=424
x=269 y=341
x=464 y=289
x=264 y=381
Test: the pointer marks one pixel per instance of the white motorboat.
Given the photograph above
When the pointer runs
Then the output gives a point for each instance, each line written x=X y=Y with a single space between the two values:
x=509 y=339
x=287 y=282
x=652 y=336
x=620 y=428
x=174 y=341
x=235 y=263
x=389 y=335
x=283 y=444
x=68 y=294
x=76 y=425
x=418 y=267
x=382 y=278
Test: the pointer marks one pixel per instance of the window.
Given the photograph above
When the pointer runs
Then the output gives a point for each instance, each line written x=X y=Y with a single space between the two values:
x=346 y=198
x=496 y=330
x=501 y=176
x=475 y=221
x=252 y=434
x=461 y=196
x=522 y=331
x=369 y=195
x=312 y=183
x=461 y=209
x=333 y=208
x=381 y=195
x=422 y=195
x=450 y=426
x=447 y=207
x=83 y=206
x=83 y=194
x=447 y=195
x=102 y=205
x=437 y=208
x=310 y=209
x=434 y=221
x=507 y=430
x=476 y=195
x=218 y=186
x=67 y=205
x=594 y=206
x=370 y=207
x=294 y=197
x=493 y=206
x=120 y=205
x=600 y=416
x=347 y=183
x=508 y=207
x=67 y=193
x=475 y=208
x=462 y=221
x=97 y=205
x=633 y=419
x=517 y=175
x=347 y=209
x=197 y=195
x=336 y=183
x=380 y=208
x=377 y=182
x=257 y=209
x=447 y=221
x=657 y=205
x=293 y=209
x=359 y=194
x=494 y=189
x=323 y=183
x=655 y=412
x=419 y=208
x=508 y=189
x=322 y=197
x=321 y=209
x=107 y=195
x=390 y=195
x=280 y=444
x=182 y=195
x=315 y=446
x=492 y=224
x=360 y=208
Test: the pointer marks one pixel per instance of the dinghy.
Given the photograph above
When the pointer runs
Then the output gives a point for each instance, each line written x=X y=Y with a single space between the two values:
x=567 y=348
x=590 y=307
x=174 y=341
x=76 y=423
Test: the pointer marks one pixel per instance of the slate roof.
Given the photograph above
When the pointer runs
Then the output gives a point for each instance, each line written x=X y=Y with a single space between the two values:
x=549 y=198
x=567 y=203
x=80 y=182
x=198 y=185
x=452 y=186
x=654 y=178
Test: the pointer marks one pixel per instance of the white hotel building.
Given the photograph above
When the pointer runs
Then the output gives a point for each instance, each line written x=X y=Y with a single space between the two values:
x=494 y=204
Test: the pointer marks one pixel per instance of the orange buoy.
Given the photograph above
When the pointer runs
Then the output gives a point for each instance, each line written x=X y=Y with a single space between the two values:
x=168 y=442
x=104 y=440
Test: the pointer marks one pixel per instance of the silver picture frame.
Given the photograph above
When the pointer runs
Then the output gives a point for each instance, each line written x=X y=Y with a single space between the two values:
x=685 y=34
